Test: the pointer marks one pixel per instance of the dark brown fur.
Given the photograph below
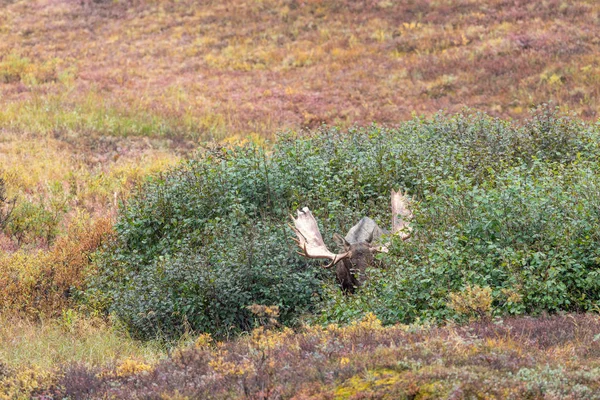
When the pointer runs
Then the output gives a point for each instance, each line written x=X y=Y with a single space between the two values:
x=351 y=272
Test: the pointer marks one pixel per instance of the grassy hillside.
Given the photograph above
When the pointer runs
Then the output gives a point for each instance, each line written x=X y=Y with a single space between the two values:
x=216 y=69
x=96 y=94
x=103 y=197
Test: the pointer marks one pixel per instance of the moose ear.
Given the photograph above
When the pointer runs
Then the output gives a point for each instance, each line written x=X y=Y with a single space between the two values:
x=343 y=243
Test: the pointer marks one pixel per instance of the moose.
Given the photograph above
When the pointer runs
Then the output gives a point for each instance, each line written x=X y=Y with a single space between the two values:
x=358 y=246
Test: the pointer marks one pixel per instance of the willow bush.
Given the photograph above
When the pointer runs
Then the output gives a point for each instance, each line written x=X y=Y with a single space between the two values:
x=511 y=207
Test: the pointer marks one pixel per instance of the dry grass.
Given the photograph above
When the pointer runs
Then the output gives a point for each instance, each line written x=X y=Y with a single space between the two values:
x=548 y=357
x=72 y=337
x=232 y=68
x=31 y=353
x=56 y=183
x=66 y=196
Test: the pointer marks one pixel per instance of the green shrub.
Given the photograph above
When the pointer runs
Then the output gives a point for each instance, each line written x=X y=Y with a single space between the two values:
x=531 y=235
x=493 y=203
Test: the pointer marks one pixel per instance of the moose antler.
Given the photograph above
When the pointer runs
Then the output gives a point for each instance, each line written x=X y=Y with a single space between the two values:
x=401 y=215
x=310 y=239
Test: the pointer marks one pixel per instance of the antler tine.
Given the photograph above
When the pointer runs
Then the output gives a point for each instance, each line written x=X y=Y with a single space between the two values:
x=309 y=238
x=335 y=260
x=305 y=253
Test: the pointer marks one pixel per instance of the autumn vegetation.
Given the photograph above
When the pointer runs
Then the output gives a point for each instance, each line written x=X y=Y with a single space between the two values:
x=508 y=359
x=236 y=68
x=152 y=151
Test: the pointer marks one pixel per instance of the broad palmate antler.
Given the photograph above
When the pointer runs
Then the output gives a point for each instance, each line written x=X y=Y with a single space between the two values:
x=401 y=215
x=310 y=239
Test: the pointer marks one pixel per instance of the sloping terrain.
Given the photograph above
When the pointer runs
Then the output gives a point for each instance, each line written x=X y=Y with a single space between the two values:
x=98 y=95
x=544 y=358
x=216 y=69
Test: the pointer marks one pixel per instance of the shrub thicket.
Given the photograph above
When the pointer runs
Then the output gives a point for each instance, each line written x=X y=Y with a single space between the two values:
x=531 y=237
x=511 y=208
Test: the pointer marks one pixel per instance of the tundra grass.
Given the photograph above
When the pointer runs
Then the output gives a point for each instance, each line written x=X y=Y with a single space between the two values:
x=70 y=338
x=516 y=358
x=31 y=352
x=221 y=69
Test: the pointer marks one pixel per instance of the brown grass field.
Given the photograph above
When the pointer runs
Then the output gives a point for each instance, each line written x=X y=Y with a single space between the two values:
x=220 y=69
x=545 y=358
x=95 y=95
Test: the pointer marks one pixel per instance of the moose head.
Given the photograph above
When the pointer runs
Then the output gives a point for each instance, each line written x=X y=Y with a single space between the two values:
x=358 y=246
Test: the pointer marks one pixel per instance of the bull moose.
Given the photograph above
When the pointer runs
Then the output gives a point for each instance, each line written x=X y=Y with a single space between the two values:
x=358 y=246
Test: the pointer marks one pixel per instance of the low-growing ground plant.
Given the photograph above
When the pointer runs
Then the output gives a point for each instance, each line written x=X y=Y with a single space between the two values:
x=7 y=205
x=514 y=358
x=276 y=64
x=46 y=282
x=474 y=301
x=33 y=353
